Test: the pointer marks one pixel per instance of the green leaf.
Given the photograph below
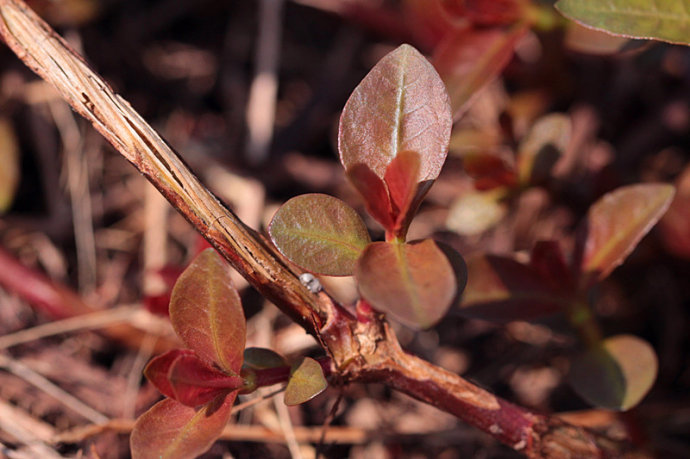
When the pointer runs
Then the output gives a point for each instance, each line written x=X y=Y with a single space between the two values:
x=260 y=358
x=615 y=225
x=171 y=430
x=666 y=20
x=542 y=147
x=413 y=282
x=206 y=312
x=400 y=105
x=9 y=165
x=305 y=383
x=320 y=233
x=469 y=59
x=501 y=290
x=616 y=375
x=475 y=212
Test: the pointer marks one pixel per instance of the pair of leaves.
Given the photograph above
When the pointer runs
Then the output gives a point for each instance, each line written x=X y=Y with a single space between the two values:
x=393 y=135
x=502 y=289
x=415 y=282
x=206 y=313
x=305 y=381
x=666 y=20
x=619 y=371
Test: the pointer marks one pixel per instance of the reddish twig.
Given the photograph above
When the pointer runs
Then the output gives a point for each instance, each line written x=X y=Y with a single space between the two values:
x=58 y=301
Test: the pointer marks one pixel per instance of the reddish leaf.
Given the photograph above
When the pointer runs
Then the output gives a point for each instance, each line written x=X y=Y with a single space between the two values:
x=675 y=226
x=260 y=358
x=401 y=180
x=320 y=233
x=501 y=290
x=549 y=262
x=616 y=223
x=375 y=191
x=542 y=147
x=171 y=430
x=469 y=59
x=616 y=375
x=457 y=262
x=206 y=312
x=489 y=171
x=486 y=12
x=400 y=105
x=305 y=383
x=415 y=282
x=183 y=376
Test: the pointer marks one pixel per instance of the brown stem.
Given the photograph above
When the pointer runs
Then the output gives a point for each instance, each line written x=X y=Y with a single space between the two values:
x=360 y=351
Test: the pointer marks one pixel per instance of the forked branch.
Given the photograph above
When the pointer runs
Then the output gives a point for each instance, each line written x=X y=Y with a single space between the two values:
x=360 y=350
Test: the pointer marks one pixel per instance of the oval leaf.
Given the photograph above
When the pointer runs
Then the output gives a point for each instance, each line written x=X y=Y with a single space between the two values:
x=320 y=233
x=171 y=430
x=616 y=223
x=501 y=290
x=305 y=383
x=469 y=59
x=542 y=147
x=206 y=312
x=615 y=375
x=184 y=377
x=260 y=358
x=400 y=105
x=415 y=282
x=667 y=20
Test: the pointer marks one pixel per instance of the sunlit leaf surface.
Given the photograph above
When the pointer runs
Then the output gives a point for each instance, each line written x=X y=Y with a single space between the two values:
x=400 y=105
x=206 y=312
x=667 y=20
x=171 y=430
x=616 y=375
x=305 y=383
x=415 y=283
x=320 y=233
x=616 y=223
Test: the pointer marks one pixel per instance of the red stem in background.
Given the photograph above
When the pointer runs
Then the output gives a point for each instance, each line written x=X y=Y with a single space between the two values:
x=57 y=301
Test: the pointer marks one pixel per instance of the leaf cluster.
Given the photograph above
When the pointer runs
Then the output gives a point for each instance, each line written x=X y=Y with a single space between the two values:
x=393 y=141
